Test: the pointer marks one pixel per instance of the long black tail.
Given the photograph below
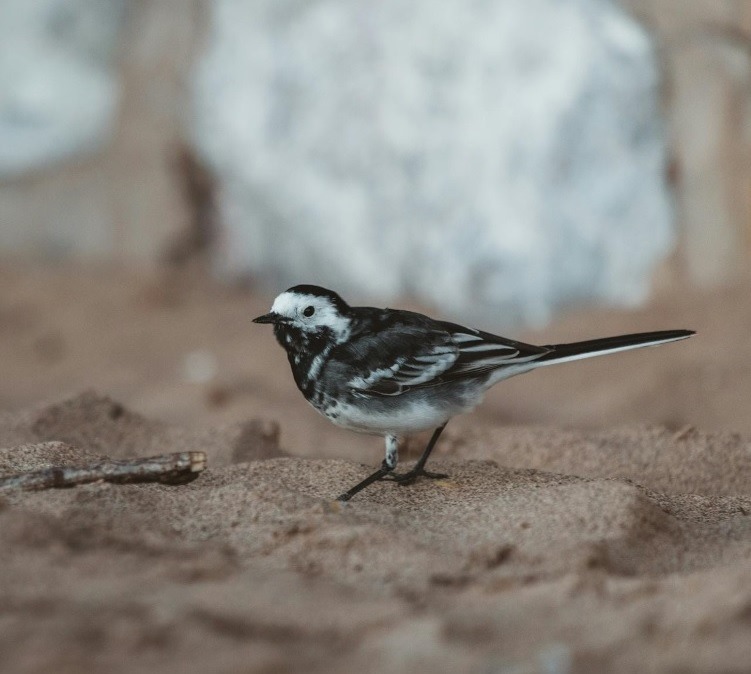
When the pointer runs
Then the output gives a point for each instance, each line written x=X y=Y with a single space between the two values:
x=561 y=353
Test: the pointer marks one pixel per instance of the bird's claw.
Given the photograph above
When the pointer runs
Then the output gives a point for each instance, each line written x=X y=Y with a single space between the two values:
x=411 y=476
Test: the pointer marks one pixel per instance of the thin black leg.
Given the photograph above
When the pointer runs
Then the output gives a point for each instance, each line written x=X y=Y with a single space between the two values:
x=385 y=469
x=410 y=476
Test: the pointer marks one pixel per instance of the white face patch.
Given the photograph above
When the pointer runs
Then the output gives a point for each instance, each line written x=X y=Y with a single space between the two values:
x=295 y=306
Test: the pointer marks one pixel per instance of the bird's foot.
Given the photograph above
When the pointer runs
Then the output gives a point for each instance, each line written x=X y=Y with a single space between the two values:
x=384 y=473
x=410 y=476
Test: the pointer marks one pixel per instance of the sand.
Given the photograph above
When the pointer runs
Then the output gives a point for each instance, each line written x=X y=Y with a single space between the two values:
x=585 y=526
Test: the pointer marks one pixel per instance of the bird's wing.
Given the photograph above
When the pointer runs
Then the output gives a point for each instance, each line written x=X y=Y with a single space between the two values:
x=482 y=351
x=414 y=351
x=406 y=358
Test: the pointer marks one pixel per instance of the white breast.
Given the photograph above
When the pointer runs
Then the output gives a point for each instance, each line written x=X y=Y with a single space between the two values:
x=411 y=417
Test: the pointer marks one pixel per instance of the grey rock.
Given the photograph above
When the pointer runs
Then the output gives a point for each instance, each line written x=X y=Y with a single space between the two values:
x=489 y=157
x=58 y=86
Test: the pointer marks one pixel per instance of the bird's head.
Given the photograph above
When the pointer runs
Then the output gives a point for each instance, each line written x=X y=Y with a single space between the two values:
x=306 y=315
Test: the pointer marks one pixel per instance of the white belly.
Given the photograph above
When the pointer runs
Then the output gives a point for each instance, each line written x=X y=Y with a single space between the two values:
x=401 y=420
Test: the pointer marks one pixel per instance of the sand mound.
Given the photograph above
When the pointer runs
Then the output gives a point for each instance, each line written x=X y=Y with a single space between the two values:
x=105 y=427
x=565 y=551
x=686 y=460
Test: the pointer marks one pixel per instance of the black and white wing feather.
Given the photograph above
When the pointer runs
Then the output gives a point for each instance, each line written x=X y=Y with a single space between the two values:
x=421 y=352
x=481 y=352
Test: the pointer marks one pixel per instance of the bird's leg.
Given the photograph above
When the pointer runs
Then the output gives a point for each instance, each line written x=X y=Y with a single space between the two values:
x=389 y=463
x=410 y=476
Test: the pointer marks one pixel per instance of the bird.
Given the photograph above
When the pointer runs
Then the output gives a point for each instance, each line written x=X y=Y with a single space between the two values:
x=393 y=372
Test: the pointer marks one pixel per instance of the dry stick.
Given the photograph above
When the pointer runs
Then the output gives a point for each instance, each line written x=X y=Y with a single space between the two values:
x=176 y=468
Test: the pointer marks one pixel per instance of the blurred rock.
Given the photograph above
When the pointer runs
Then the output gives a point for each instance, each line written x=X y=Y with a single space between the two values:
x=502 y=157
x=258 y=439
x=57 y=78
x=705 y=48
x=99 y=85
x=711 y=121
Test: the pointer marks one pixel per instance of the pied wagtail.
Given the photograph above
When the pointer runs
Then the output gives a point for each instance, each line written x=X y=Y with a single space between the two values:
x=390 y=372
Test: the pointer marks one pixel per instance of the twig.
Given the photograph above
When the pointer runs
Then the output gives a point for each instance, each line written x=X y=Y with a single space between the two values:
x=176 y=468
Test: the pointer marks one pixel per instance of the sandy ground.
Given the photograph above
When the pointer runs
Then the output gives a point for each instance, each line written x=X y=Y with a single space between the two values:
x=597 y=516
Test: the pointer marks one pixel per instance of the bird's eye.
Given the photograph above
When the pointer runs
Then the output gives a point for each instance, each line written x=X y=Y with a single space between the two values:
x=308 y=312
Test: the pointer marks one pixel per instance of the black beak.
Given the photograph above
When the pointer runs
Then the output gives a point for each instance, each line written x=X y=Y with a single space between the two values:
x=268 y=318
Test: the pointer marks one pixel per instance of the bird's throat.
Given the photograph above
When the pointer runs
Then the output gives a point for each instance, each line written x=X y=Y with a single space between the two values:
x=306 y=352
